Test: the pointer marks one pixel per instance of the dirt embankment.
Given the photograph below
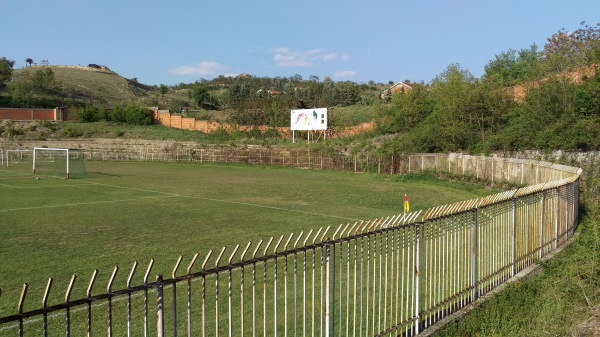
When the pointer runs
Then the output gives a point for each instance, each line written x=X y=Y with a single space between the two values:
x=575 y=76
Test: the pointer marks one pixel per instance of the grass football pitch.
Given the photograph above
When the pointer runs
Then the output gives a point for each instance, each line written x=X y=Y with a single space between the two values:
x=134 y=211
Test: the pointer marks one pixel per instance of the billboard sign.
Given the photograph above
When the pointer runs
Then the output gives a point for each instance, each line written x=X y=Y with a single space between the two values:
x=309 y=119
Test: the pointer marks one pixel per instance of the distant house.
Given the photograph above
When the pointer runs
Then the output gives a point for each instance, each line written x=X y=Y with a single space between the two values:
x=398 y=87
x=243 y=76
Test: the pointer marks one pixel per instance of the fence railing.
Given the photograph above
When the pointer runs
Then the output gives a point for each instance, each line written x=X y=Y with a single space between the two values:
x=383 y=277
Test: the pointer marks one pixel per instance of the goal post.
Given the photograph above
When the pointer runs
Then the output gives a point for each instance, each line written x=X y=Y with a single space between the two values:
x=14 y=157
x=57 y=162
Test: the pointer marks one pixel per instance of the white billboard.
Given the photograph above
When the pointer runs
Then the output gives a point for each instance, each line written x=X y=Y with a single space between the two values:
x=309 y=119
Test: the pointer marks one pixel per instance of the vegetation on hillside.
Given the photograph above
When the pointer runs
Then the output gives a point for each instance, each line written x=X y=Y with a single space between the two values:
x=460 y=112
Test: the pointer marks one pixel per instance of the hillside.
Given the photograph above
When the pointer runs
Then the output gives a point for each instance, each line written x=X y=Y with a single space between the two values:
x=83 y=85
x=574 y=76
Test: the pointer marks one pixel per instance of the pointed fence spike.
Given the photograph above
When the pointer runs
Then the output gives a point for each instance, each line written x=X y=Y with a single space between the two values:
x=22 y=298
x=325 y=233
x=399 y=219
x=267 y=246
x=177 y=265
x=288 y=242
x=351 y=229
x=245 y=251
x=277 y=245
x=344 y=230
x=358 y=228
x=112 y=279
x=47 y=292
x=317 y=235
x=344 y=227
x=135 y=264
x=91 y=285
x=148 y=270
x=256 y=249
x=386 y=222
x=336 y=231
x=298 y=239
x=426 y=215
x=306 y=239
x=220 y=256
x=375 y=225
x=416 y=215
x=365 y=226
x=371 y=223
x=189 y=269
x=233 y=253
x=206 y=259
x=70 y=288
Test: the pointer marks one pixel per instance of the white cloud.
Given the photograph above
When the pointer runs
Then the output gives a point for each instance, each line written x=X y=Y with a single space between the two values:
x=286 y=57
x=345 y=74
x=335 y=57
x=202 y=69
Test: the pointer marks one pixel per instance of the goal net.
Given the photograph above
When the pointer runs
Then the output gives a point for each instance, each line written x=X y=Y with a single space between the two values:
x=65 y=163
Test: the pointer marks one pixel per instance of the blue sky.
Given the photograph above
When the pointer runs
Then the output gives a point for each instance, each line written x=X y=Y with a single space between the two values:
x=169 y=42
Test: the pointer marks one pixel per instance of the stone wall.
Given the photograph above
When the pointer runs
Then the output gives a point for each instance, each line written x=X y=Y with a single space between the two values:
x=495 y=169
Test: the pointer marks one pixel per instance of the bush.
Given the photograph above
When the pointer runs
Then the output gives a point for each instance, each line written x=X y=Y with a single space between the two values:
x=137 y=115
x=70 y=131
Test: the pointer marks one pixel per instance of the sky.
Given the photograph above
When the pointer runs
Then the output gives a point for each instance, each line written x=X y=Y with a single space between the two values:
x=177 y=41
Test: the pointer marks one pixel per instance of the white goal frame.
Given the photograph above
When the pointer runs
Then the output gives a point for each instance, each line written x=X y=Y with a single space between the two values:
x=36 y=149
x=19 y=152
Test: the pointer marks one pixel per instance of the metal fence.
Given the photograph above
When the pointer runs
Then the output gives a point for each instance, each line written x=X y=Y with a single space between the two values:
x=384 y=277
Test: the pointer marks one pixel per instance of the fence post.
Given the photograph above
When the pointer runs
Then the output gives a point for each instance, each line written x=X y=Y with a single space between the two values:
x=417 y=290
x=328 y=319
x=513 y=234
x=20 y=307
x=160 y=324
x=474 y=248
x=556 y=218
x=542 y=216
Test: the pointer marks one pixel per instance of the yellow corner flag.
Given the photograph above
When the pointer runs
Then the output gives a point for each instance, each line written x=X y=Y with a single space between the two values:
x=406 y=204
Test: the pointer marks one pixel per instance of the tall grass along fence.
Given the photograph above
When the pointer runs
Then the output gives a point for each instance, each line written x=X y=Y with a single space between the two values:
x=383 y=277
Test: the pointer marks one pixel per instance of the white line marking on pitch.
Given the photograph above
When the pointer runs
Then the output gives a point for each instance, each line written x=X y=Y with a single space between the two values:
x=225 y=201
x=79 y=204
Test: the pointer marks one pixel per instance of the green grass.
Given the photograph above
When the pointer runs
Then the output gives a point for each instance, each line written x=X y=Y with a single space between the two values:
x=353 y=115
x=553 y=303
x=126 y=211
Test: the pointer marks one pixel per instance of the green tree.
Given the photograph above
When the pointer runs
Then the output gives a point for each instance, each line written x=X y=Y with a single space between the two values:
x=510 y=68
x=453 y=120
x=29 y=61
x=163 y=90
x=202 y=98
x=36 y=89
x=566 y=50
x=407 y=110
x=6 y=70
